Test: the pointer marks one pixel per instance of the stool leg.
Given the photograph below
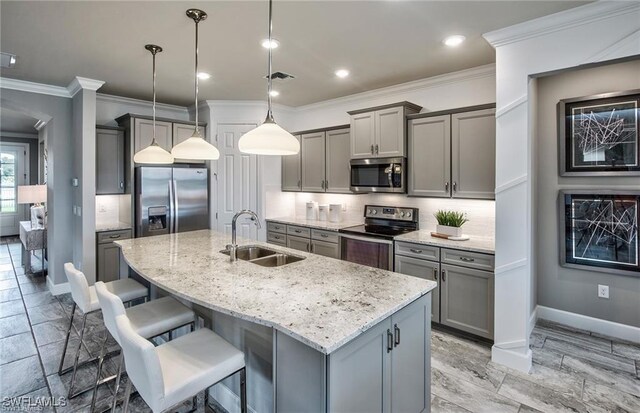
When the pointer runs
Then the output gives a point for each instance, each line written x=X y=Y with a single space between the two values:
x=243 y=390
x=127 y=394
x=103 y=349
x=115 y=393
x=206 y=399
x=75 y=363
x=66 y=340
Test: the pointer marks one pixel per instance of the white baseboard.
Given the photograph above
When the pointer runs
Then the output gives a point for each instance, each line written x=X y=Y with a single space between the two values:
x=532 y=320
x=57 y=289
x=518 y=360
x=227 y=398
x=596 y=325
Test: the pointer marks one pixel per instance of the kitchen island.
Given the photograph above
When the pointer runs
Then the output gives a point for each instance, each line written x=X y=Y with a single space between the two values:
x=318 y=334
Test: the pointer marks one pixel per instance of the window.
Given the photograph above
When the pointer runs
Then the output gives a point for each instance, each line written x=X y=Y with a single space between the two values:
x=8 y=182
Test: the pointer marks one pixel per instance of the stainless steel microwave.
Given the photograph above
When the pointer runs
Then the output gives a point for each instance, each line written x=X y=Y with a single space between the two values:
x=378 y=175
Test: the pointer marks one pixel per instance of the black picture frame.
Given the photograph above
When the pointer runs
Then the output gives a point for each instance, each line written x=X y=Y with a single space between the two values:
x=599 y=230
x=599 y=135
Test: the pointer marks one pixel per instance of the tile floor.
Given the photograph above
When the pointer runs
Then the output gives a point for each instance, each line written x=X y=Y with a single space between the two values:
x=573 y=371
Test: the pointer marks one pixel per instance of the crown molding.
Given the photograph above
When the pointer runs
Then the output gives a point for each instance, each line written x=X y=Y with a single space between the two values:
x=79 y=83
x=427 y=83
x=563 y=20
x=138 y=102
x=33 y=87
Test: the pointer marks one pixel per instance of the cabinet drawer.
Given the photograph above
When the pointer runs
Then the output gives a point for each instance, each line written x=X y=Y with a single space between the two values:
x=110 y=236
x=326 y=236
x=298 y=231
x=276 y=227
x=468 y=259
x=425 y=252
x=276 y=238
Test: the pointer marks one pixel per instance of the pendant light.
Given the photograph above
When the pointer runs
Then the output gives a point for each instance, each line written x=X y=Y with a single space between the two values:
x=196 y=147
x=269 y=138
x=153 y=154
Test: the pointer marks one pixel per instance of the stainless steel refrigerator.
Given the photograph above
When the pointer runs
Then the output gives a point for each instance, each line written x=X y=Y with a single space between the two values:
x=171 y=200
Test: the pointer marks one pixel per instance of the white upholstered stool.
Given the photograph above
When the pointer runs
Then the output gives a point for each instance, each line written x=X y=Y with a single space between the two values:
x=177 y=370
x=85 y=298
x=149 y=320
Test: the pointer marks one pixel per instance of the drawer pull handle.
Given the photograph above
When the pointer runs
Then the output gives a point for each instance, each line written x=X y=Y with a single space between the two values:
x=324 y=235
x=435 y=274
x=114 y=236
x=297 y=231
x=416 y=251
x=465 y=259
x=276 y=237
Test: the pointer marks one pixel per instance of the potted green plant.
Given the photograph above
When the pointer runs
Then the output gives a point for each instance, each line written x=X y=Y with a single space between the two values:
x=450 y=222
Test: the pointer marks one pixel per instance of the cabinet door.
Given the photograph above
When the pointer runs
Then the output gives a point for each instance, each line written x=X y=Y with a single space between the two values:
x=430 y=156
x=410 y=358
x=291 y=176
x=181 y=132
x=428 y=270
x=473 y=150
x=313 y=162
x=359 y=373
x=338 y=179
x=327 y=249
x=108 y=262
x=466 y=299
x=143 y=134
x=298 y=243
x=109 y=161
x=389 y=132
x=362 y=133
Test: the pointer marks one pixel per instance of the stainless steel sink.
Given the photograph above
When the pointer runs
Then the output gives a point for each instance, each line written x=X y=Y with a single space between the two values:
x=264 y=256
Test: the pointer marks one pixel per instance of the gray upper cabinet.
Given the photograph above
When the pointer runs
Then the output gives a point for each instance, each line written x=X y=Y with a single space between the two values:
x=390 y=132
x=430 y=156
x=143 y=134
x=337 y=161
x=110 y=165
x=291 y=173
x=473 y=149
x=362 y=135
x=313 y=162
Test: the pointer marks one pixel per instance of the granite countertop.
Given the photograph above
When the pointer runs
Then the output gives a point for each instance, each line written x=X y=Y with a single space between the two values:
x=475 y=243
x=112 y=226
x=320 y=301
x=325 y=225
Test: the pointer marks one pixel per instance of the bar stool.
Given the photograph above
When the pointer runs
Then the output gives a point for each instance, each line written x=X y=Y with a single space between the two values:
x=179 y=369
x=85 y=298
x=149 y=320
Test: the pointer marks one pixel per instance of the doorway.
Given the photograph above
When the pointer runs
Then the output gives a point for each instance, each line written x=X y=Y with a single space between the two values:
x=14 y=171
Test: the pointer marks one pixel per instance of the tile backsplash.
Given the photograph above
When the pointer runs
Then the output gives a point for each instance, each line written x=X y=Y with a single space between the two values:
x=113 y=208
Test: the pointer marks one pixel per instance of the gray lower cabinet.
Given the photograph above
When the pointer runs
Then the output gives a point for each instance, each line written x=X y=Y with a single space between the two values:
x=429 y=270
x=299 y=243
x=316 y=241
x=291 y=173
x=327 y=249
x=110 y=162
x=108 y=259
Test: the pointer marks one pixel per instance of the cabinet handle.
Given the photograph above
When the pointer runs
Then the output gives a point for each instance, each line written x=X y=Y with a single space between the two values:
x=297 y=231
x=121 y=184
x=416 y=251
x=389 y=341
x=276 y=236
x=307 y=246
x=324 y=235
x=396 y=333
x=455 y=186
x=371 y=149
x=377 y=149
x=465 y=259
x=444 y=276
x=114 y=236
x=446 y=186
x=326 y=184
x=435 y=274
x=299 y=184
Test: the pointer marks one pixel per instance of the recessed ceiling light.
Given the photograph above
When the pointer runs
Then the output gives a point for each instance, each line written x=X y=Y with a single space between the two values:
x=453 y=41
x=274 y=93
x=342 y=73
x=204 y=76
x=274 y=43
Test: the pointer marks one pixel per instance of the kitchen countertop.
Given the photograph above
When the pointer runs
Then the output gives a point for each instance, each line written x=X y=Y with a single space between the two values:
x=325 y=225
x=112 y=226
x=475 y=243
x=322 y=302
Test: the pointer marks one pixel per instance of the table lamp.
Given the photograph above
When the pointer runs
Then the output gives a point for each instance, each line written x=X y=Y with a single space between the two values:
x=34 y=194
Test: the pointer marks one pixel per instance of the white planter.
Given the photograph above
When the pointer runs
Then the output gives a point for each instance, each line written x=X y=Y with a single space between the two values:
x=447 y=230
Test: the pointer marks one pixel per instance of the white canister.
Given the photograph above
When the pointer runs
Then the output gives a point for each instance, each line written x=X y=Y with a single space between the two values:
x=323 y=212
x=335 y=212
x=312 y=211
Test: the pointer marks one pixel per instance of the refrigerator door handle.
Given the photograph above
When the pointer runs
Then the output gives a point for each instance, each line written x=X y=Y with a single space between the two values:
x=176 y=220
x=171 y=208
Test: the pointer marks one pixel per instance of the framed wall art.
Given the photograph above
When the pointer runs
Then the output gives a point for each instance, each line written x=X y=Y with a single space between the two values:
x=598 y=135
x=599 y=230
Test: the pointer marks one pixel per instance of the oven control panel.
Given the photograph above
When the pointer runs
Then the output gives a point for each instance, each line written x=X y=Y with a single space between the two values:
x=395 y=213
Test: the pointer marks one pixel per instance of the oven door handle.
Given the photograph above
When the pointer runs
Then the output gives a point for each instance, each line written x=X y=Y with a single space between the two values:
x=366 y=239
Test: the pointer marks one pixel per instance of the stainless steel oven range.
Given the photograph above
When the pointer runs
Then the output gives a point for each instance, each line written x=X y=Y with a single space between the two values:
x=372 y=243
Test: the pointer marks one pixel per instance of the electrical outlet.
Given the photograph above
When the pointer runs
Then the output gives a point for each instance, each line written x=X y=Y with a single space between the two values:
x=102 y=208
x=603 y=291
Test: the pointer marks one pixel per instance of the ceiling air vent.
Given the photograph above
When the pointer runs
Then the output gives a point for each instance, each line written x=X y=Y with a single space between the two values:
x=281 y=76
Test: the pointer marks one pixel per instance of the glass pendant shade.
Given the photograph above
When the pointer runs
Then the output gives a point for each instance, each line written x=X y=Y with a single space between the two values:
x=195 y=148
x=269 y=139
x=153 y=154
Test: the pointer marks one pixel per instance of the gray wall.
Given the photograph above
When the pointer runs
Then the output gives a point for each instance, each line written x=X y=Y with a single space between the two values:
x=33 y=155
x=563 y=288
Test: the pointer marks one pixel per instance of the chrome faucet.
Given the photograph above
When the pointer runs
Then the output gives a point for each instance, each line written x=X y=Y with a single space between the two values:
x=233 y=247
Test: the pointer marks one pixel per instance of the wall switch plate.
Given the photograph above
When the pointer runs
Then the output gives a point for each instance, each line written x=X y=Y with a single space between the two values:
x=603 y=291
x=74 y=182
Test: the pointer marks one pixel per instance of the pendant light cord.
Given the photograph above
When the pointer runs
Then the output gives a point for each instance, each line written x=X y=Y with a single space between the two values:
x=197 y=131
x=269 y=79
x=153 y=142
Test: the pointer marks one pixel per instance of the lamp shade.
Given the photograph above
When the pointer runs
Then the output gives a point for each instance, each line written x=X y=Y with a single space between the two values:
x=32 y=194
x=153 y=154
x=269 y=139
x=195 y=148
